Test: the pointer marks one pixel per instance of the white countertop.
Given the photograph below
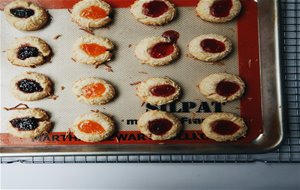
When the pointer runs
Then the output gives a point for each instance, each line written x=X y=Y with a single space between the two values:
x=151 y=176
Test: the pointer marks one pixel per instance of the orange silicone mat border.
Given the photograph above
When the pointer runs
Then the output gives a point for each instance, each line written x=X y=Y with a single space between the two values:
x=249 y=68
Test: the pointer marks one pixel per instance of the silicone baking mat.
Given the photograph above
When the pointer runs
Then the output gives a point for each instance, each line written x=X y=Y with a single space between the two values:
x=125 y=71
x=288 y=152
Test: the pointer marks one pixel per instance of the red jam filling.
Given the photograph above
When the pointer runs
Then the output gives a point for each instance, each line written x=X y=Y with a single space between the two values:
x=163 y=90
x=159 y=126
x=221 y=8
x=224 y=127
x=93 y=12
x=155 y=8
x=161 y=50
x=171 y=35
x=227 y=88
x=89 y=126
x=212 y=46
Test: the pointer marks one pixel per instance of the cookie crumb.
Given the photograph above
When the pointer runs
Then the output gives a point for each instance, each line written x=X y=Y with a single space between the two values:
x=62 y=87
x=95 y=111
x=57 y=36
x=20 y=106
x=129 y=45
x=135 y=83
x=53 y=97
x=88 y=31
x=193 y=115
x=197 y=135
x=108 y=68
x=143 y=72
x=249 y=63
x=68 y=133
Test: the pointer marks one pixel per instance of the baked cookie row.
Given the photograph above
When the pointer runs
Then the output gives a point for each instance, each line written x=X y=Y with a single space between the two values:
x=96 y=126
x=32 y=51
x=219 y=87
x=90 y=14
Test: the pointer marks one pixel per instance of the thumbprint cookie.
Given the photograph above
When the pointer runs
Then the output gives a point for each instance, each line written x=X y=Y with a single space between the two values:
x=224 y=127
x=28 y=52
x=92 y=50
x=158 y=51
x=93 y=91
x=210 y=47
x=91 y=13
x=218 y=11
x=25 y=15
x=158 y=91
x=93 y=127
x=29 y=123
x=222 y=87
x=159 y=125
x=31 y=86
x=153 y=12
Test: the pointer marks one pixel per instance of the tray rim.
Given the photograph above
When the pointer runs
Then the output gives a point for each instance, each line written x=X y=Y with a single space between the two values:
x=271 y=91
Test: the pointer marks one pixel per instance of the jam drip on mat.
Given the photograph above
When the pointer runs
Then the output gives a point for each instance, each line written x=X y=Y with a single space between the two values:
x=155 y=8
x=171 y=35
x=29 y=86
x=227 y=88
x=22 y=12
x=25 y=123
x=159 y=126
x=224 y=127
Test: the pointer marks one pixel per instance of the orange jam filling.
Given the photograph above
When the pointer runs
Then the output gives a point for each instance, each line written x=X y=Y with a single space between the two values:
x=93 y=12
x=93 y=90
x=93 y=49
x=89 y=126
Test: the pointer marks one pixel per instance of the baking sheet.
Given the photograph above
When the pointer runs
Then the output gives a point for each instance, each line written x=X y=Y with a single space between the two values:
x=125 y=32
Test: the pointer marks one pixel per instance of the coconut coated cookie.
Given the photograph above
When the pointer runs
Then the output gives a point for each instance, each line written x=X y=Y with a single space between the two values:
x=224 y=127
x=153 y=12
x=93 y=127
x=218 y=11
x=28 y=52
x=158 y=51
x=93 y=91
x=92 y=50
x=158 y=91
x=31 y=86
x=159 y=125
x=222 y=87
x=91 y=13
x=210 y=47
x=25 y=15
x=29 y=123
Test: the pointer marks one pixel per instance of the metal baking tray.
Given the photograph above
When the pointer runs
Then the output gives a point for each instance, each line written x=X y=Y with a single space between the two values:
x=271 y=133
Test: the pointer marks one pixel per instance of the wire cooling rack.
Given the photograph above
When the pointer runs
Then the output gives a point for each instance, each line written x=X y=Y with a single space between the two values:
x=289 y=151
